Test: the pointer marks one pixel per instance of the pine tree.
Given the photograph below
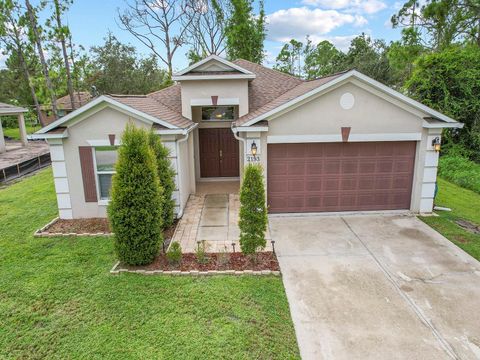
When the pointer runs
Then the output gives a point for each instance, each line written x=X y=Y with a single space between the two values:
x=135 y=210
x=166 y=175
x=245 y=32
x=253 y=210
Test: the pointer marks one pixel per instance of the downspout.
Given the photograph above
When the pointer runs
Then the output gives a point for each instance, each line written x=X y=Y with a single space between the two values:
x=244 y=141
x=186 y=135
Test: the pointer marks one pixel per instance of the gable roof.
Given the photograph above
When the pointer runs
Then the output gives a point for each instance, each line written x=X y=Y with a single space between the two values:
x=270 y=92
x=308 y=89
x=220 y=68
x=142 y=107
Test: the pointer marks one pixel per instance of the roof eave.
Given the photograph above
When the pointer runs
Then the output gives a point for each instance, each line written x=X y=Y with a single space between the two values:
x=213 y=77
x=99 y=100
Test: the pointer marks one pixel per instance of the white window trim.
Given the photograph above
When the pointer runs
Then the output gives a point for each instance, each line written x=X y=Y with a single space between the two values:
x=100 y=201
x=235 y=112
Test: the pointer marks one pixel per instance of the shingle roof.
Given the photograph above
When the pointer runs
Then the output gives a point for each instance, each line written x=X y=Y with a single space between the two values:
x=11 y=109
x=151 y=106
x=300 y=89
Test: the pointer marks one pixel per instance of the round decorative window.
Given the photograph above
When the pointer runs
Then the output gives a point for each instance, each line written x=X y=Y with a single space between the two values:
x=347 y=101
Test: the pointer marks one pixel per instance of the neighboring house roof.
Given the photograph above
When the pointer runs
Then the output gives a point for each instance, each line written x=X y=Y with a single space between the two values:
x=7 y=109
x=64 y=103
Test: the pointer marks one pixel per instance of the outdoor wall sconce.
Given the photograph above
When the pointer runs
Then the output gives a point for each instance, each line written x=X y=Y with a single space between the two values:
x=253 y=149
x=436 y=144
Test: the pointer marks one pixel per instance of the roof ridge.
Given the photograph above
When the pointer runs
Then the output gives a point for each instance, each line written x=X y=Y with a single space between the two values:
x=330 y=75
x=160 y=90
x=127 y=95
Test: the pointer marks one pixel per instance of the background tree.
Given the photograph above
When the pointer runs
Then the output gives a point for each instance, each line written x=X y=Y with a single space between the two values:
x=204 y=21
x=166 y=175
x=13 y=39
x=443 y=21
x=116 y=69
x=135 y=209
x=369 y=57
x=448 y=81
x=290 y=59
x=322 y=60
x=253 y=210
x=245 y=32
x=60 y=33
x=156 y=23
x=35 y=32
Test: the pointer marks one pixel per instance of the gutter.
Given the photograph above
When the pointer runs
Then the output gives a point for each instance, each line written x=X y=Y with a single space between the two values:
x=186 y=134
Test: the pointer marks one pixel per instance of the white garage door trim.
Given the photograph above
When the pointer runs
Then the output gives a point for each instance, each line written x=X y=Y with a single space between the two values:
x=279 y=139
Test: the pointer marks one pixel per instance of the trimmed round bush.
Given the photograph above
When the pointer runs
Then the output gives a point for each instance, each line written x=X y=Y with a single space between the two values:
x=253 y=210
x=135 y=209
x=166 y=175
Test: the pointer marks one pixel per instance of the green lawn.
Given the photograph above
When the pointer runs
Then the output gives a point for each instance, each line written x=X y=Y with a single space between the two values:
x=15 y=134
x=58 y=300
x=465 y=204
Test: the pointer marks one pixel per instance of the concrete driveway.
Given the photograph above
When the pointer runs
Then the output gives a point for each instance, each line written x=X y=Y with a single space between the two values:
x=377 y=287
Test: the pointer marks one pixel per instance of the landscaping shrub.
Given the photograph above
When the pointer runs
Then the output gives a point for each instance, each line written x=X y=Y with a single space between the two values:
x=201 y=252
x=253 y=210
x=135 y=209
x=461 y=171
x=174 y=254
x=166 y=175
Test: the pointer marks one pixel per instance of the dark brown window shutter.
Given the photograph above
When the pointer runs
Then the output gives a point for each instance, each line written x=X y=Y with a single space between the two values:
x=88 y=173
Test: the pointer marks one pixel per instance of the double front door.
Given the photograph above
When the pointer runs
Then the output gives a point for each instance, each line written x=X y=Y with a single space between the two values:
x=219 y=153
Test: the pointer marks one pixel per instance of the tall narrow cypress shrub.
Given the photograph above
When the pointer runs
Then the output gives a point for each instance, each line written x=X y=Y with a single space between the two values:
x=166 y=175
x=253 y=210
x=135 y=209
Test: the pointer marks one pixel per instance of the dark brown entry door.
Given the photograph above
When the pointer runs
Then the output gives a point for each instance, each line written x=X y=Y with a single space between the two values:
x=340 y=176
x=219 y=153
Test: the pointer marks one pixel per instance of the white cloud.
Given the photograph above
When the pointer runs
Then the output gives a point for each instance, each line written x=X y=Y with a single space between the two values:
x=296 y=23
x=340 y=42
x=356 y=6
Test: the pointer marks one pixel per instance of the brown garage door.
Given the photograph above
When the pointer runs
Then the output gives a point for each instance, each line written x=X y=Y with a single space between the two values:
x=340 y=176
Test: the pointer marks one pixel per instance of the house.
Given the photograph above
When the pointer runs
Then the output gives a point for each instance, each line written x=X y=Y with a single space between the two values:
x=339 y=143
x=64 y=106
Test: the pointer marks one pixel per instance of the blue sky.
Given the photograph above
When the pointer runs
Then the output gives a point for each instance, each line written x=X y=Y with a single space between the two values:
x=335 y=20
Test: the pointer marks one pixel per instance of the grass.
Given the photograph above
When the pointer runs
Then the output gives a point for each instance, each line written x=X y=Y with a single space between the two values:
x=15 y=134
x=465 y=204
x=57 y=299
x=460 y=171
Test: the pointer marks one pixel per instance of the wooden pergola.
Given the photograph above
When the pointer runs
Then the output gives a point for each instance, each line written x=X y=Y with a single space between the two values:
x=12 y=110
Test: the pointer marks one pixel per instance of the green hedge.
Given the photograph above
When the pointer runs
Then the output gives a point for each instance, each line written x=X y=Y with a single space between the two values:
x=461 y=171
x=135 y=209
x=253 y=210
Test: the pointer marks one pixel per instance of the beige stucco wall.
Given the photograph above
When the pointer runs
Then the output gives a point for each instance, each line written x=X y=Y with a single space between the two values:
x=94 y=127
x=371 y=114
x=205 y=89
x=324 y=115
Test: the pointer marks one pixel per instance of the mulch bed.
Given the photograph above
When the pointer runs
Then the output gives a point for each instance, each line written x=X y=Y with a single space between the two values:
x=93 y=226
x=216 y=261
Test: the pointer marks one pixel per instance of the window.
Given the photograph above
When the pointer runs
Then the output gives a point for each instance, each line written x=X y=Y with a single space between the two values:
x=105 y=159
x=218 y=113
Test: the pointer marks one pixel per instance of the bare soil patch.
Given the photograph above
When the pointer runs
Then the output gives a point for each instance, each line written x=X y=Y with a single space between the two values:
x=215 y=261
x=80 y=226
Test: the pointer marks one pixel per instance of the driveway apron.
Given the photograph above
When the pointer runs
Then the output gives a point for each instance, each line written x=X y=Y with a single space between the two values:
x=377 y=287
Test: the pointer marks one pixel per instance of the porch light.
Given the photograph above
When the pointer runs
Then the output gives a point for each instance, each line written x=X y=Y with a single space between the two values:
x=436 y=144
x=253 y=149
